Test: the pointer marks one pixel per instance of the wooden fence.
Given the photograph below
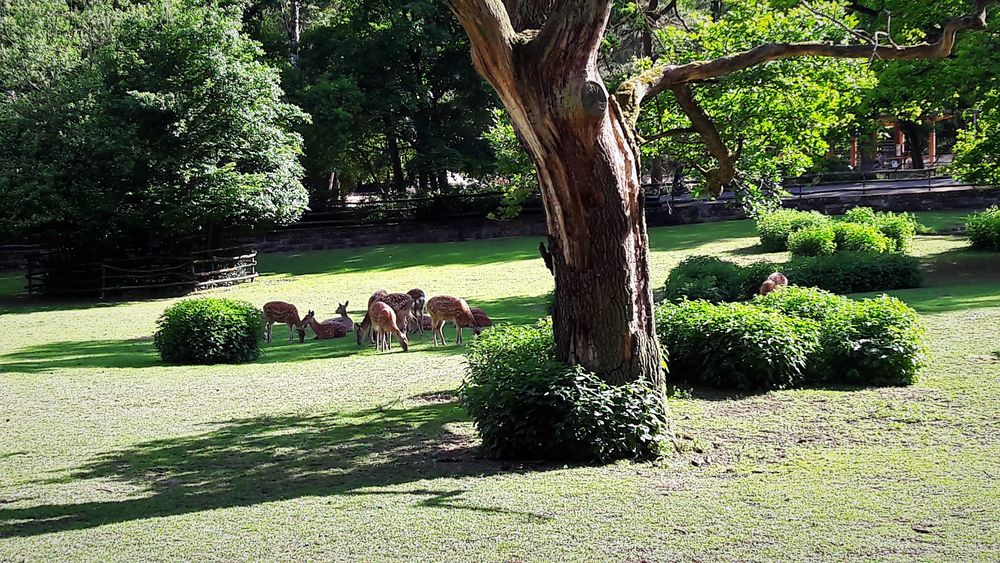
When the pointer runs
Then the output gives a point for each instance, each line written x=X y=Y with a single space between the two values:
x=51 y=273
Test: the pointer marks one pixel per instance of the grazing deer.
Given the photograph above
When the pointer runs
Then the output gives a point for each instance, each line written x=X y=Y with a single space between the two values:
x=326 y=329
x=767 y=287
x=383 y=323
x=482 y=319
x=419 y=300
x=774 y=281
x=401 y=304
x=281 y=312
x=445 y=308
x=778 y=278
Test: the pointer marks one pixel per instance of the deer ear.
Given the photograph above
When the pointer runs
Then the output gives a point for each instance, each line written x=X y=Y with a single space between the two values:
x=345 y=304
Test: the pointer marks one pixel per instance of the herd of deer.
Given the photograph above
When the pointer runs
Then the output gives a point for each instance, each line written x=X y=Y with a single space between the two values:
x=389 y=314
x=402 y=314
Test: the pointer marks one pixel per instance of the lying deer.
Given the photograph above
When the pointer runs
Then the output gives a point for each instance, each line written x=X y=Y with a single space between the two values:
x=400 y=303
x=383 y=323
x=419 y=300
x=281 y=312
x=343 y=320
x=445 y=308
x=326 y=329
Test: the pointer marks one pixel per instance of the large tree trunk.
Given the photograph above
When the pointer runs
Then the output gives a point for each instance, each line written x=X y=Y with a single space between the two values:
x=587 y=161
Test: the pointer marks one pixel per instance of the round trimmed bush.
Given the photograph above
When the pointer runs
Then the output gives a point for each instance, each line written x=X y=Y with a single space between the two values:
x=735 y=345
x=803 y=302
x=775 y=227
x=526 y=404
x=705 y=277
x=872 y=342
x=983 y=229
x=857 y=237
x=814 y=241
x=209 y=331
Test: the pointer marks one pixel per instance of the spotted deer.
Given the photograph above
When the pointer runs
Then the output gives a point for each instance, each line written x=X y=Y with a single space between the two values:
x=774 y=281
x=326 y=329
x=482 y=319
x=419 y=300
x=444 y=309
x=281 y=312
x=400 y=303
x=343 y=320
x=383 y=324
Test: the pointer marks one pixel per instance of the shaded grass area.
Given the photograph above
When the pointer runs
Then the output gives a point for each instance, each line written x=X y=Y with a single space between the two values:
x=329 y=451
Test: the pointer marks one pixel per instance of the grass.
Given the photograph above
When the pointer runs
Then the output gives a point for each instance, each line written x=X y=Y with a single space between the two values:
x=327 y=451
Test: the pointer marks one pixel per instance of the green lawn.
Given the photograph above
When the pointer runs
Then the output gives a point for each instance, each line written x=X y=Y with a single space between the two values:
x=324 y=451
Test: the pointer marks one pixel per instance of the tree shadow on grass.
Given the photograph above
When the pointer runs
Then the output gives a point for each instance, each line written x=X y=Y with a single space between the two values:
x=252 y=461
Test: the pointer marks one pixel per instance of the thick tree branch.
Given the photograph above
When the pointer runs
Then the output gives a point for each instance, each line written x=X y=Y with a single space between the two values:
x=665 y=77
x=721 y=176
x=490 y=31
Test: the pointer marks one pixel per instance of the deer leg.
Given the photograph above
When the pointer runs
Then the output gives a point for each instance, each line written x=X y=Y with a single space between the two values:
x=458 y=337
x=267 y=332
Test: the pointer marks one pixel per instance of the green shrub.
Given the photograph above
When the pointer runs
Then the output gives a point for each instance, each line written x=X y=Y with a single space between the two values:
x=854 y=272
x=861 y=215
x=526 y=404
x=856 y=237
x=803 y=302
x=871 y=342
x=734 y=345
x=900 y=228
x=775 y=227
x=814 y=241
x=984 y=229
x=706 y=277
x=209 y=331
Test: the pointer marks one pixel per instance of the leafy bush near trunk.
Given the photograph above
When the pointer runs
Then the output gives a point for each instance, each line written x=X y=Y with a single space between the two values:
x=791 y=337
x=735 y=345
x=984 y=229
x=708 y=278
x=526 y=404
x=209 y=331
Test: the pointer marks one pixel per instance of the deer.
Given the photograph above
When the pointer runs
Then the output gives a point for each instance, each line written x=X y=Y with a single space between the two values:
x=383 y=324
x=445 y=308
x=281 y=312
x=343 y=320
x=400 y=303
x=773 y=282
x=419 y=300
x=482 y=319
x=328 y=328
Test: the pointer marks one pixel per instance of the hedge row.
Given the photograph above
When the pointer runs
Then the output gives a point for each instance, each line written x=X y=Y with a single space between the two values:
x=861 y=229
x=717 y=280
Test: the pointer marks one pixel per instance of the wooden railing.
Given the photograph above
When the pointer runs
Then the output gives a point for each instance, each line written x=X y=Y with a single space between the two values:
x=51 y=273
